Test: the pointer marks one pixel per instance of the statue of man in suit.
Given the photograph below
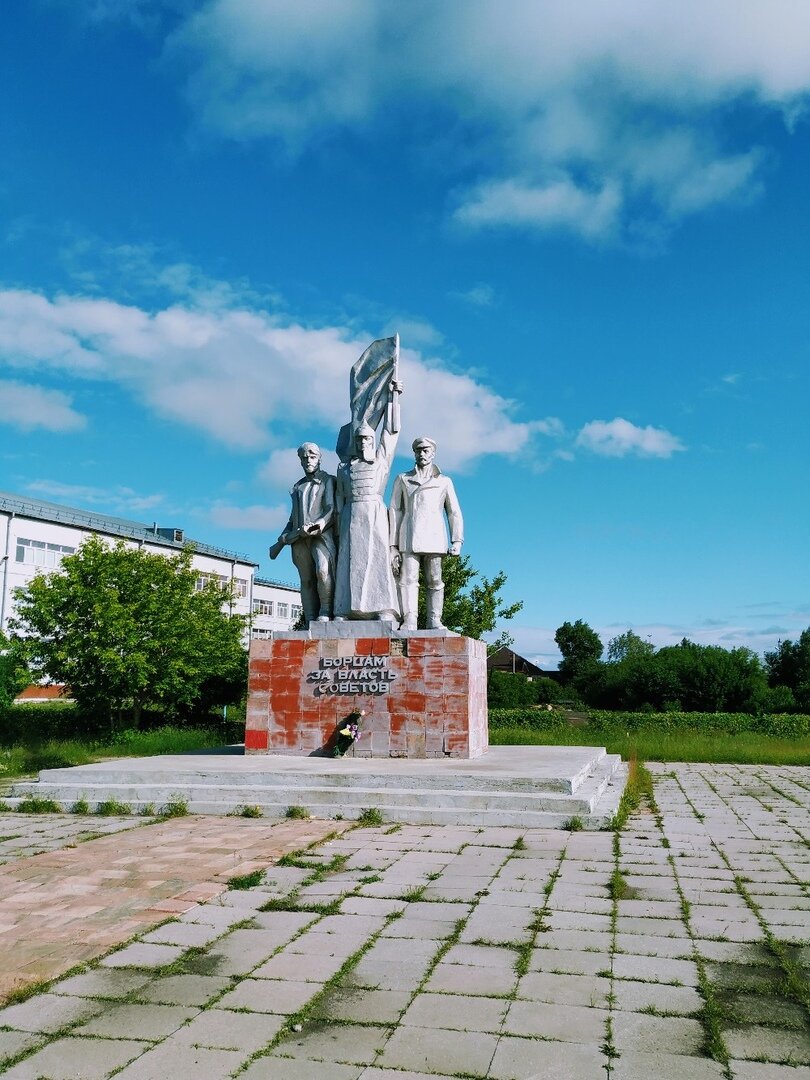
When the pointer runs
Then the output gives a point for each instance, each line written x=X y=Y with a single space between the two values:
x=421 y=500
x=310 y=534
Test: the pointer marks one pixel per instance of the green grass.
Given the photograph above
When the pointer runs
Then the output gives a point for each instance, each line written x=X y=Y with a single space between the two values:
x=33 y=804
x=177 y=806
x=113 y=808
x=297 y=812
x=370 y=817
x=744 y=748
x=23 y=760
x=247 y=881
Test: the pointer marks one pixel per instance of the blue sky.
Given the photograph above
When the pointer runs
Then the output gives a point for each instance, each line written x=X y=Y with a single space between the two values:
x=589 y=224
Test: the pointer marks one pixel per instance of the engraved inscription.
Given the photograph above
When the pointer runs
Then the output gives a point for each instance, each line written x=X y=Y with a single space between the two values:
x=352 y=675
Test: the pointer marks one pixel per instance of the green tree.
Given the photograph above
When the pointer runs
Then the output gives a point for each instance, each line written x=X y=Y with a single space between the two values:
x=14 y=673
x=708 y=678
x=128 y=630
x=789 y=665
x=580 y=646
x=628 y=646
x=472 y=607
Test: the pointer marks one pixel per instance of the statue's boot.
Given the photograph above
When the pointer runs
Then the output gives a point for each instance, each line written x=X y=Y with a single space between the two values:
x=409 y=596
x=435 y=604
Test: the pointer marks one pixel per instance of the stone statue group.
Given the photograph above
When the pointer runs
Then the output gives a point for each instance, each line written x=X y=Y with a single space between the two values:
x=356 y=558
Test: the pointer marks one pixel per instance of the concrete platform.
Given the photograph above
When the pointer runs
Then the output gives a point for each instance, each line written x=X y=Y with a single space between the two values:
x=522 y=786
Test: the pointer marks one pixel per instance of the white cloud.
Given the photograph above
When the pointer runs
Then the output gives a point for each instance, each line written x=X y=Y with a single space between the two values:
x=245 y=376
x=30 y=407
x=480 y=295
x=618 y=438
x=537 y=643
x=283 y=467
x=261 y=518
x=121 y=500
x=557 y=205
x=597 y=114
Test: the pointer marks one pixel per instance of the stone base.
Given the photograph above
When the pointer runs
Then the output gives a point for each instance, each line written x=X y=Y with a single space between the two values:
x=423 y=692
x=523 y=787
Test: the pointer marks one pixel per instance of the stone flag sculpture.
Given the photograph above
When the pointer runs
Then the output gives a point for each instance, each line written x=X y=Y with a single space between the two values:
x=364 y=584
x=370 y=394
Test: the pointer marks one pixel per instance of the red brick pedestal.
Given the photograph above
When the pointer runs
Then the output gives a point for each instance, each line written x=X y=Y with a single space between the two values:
x=424 y=693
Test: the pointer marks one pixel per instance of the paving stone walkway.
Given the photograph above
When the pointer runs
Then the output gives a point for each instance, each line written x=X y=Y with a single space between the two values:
x=71 y=888
x=676 y=950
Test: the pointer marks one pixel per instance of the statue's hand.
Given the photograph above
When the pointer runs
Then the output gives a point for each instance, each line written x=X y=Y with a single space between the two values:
x=396 y=560
x=455 y=548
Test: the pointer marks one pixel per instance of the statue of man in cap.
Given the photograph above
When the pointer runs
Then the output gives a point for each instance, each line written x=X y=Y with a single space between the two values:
x=421 y=500
x=364 y=585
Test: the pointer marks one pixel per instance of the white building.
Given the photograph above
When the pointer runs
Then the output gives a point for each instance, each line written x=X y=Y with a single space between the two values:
x=276 y=606
x=36 y=535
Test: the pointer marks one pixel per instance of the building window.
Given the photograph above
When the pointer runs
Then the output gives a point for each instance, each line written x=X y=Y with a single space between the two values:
x=240 y=586
x=283 y=611
x=262 y=607
x=205 y=578
x=262 y=633
x=38 y=553
x=295 y=610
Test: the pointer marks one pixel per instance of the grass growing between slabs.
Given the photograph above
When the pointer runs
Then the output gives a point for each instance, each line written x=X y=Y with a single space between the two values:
x=743 y=748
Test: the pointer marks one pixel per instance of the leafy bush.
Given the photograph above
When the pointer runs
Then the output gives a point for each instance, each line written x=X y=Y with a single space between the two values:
x=548 y=691
x=535 y=719
x=509 y=690
x=781 y=725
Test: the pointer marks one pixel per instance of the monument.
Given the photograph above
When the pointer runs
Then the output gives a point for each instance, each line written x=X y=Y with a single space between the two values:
x=362 y=665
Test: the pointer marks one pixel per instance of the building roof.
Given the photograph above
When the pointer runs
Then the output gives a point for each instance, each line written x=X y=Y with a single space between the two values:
x=276 y=584
x=36 y=693
x=505 y=659
x=39 y=510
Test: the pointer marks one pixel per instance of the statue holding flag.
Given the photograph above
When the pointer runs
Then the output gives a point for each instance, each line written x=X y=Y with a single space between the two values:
x=364 y=585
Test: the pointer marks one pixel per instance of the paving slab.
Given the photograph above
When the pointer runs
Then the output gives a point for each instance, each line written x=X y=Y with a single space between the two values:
x=774 y=1044
x=757 y=1070
x=586 y=990
x=223 y=1030
x=529 y=1059
x=147 y=1021
x=269 y=996
x=48 y=1013
x=276 y=1068
x=72 y=1058
x=632 y=1065
x=180 y=1061
x=670 y=1034
x=184 y=989
x=566 y=1023
x=439 y=1050
x=456 y=1012
x=342 y=1043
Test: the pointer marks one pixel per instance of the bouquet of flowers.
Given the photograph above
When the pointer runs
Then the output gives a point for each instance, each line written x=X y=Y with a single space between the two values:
x=348 y=732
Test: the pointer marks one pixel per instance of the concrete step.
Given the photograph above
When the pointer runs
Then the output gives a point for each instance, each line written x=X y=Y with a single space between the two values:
x=223 y=785
x=326 y=772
